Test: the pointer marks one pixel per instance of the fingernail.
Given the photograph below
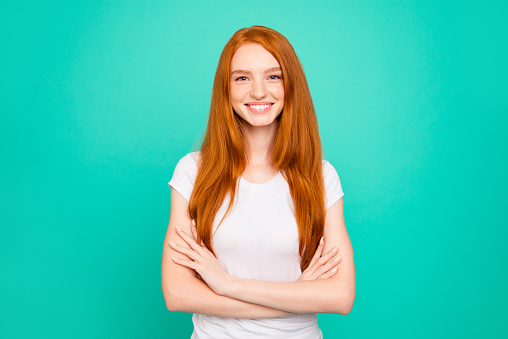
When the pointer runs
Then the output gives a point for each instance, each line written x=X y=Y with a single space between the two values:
x=171 y=243
x=174 y=259
x=178 y=229
x=335 y=249
x=193 y=222
x=337 y=259
x=321 y=241
x=334 y=269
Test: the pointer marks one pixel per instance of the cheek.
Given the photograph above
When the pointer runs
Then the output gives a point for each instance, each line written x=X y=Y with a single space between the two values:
x=280 y=93
x=277 y=90
x=237 y=94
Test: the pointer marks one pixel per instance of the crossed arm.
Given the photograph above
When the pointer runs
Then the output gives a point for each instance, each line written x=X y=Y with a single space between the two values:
x=193 y=281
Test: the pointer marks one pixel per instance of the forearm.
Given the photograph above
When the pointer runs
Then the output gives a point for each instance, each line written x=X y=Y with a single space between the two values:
x=184 y=292
x=318 y=296
x=197 y=297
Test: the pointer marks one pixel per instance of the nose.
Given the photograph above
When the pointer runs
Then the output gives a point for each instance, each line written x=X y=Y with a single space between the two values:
x=258 y=89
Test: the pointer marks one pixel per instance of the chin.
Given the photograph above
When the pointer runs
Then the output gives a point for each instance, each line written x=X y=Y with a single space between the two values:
x=262 y=122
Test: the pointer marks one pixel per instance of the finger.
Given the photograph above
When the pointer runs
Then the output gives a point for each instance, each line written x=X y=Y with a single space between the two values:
x=207 y=251
x=185 y=250
x=318 y=270
x=321 y=261
x=189 y=240
x=317 y=254
x=304 y=277
x=328 y=274
x=329 y=266
x=194 y=230
x=326 y=257
x=187 y=263
x=319 y=250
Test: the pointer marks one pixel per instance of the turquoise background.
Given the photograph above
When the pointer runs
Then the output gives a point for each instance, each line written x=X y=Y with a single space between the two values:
x=100 y=99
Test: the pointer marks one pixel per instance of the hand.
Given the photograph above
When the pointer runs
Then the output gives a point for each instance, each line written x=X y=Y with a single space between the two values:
x=194 y=232
x=321 y=267
x=203 y=262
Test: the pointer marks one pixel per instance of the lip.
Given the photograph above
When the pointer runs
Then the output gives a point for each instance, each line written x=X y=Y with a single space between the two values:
x=259 y=110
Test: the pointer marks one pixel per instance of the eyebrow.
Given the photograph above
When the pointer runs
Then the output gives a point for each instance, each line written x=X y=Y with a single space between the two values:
x=273 y=69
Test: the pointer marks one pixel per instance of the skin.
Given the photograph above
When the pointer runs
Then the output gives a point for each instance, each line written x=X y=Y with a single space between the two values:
x=256 y=77
x=193 y=280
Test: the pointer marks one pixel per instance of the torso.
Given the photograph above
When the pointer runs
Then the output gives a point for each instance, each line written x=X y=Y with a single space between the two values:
x=258 y=239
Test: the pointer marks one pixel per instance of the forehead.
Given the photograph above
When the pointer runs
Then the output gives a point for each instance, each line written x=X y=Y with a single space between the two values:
x=253 y=57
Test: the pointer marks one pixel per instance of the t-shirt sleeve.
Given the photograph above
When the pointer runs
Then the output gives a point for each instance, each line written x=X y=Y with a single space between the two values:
x=184 y=176
x=332 y=184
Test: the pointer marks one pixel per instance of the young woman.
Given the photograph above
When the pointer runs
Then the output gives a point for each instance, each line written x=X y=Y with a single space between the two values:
x=258 y=205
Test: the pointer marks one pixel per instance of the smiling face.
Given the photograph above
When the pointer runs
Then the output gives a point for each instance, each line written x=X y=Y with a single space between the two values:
x=256 y=85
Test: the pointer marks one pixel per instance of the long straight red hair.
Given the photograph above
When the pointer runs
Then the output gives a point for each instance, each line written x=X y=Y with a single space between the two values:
x=296 y=150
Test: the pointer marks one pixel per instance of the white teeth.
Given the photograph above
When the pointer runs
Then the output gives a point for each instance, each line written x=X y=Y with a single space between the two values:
x=259 y=107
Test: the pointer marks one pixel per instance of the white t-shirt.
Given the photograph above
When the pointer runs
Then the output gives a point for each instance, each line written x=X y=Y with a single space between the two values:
x=257 y=240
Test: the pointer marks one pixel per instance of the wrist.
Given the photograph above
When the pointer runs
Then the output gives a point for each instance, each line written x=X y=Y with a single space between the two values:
x=231 y=287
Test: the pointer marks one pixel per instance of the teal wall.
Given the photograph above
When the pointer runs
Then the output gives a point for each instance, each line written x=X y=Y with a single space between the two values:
x=101 y=98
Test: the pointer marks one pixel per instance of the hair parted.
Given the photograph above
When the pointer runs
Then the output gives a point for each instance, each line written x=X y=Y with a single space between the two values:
x=296 y=151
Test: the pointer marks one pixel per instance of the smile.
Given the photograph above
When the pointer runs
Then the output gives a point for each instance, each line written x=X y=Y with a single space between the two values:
x=259 y=108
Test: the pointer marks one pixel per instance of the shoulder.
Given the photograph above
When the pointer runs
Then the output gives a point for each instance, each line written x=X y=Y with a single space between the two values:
x=329 y=171
x=185 y=173
x=333 y=187
x=188 y=162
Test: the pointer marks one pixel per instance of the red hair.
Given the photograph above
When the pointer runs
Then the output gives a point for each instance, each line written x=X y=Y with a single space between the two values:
x=296 y=150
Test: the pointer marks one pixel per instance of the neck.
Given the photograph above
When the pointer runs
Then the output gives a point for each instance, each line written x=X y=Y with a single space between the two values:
x=259 y=143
